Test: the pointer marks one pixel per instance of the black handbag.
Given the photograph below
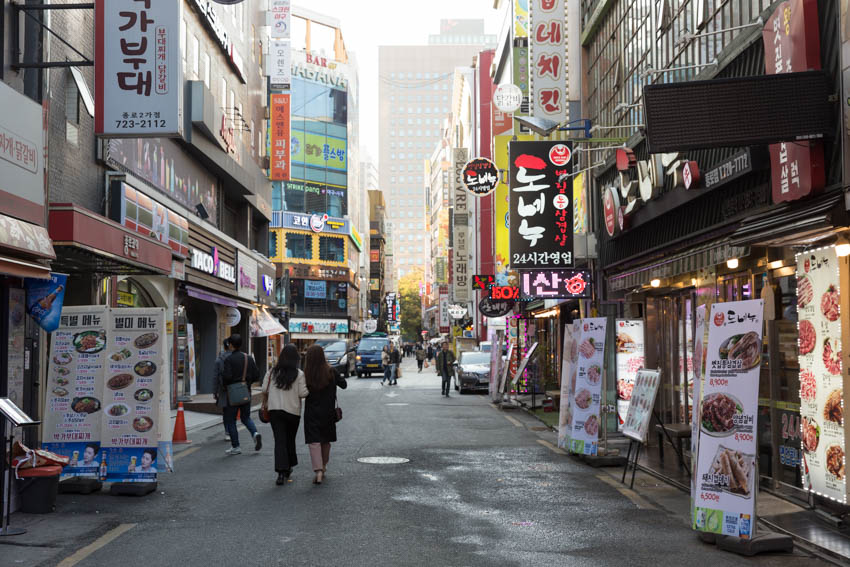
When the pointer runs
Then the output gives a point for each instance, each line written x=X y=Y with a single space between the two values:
x=238 y=393
x=337 y=411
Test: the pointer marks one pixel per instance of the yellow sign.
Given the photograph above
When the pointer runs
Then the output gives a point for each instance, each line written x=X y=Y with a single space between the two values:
x=319 y=150
x=579 y=204
x=169 y=327
x=502 y=252
x=126 y=299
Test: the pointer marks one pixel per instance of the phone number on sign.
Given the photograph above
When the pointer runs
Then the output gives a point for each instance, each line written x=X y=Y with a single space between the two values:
x=140 y=123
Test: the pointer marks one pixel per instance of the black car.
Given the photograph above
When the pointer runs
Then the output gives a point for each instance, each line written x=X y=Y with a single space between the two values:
x=473 y=371
x=369 y=355
x=340 y=355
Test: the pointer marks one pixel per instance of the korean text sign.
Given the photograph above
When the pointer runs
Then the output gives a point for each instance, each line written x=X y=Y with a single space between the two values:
x=460 y=229
x=547 y=55
x=555 y=284
x=137 y=68
x=726 y=478
x=819 y=303
x=279 y=137
x=541 y=215
x=642 y=402
x=588 y=355
x=629 y=337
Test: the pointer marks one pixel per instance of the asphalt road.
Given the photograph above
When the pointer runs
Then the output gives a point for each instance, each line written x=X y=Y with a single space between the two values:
x=481 y=488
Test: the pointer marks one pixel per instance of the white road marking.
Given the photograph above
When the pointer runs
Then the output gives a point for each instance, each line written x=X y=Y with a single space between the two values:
x=186 y=452
x=391 y=395
x=633 y=496
x=100 y=542
x=513 y=420
x=551 y=447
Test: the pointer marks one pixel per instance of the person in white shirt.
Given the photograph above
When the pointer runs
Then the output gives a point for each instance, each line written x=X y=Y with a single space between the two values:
x=286 y=388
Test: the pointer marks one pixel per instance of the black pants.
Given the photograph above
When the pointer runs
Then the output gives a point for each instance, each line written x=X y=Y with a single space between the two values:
x=447 y=383
x=284 y=426
x=419 y=363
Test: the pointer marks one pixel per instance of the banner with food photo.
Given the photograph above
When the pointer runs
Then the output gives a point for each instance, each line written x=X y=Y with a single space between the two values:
x=569 y=370
x=73 y=409
x=726 y=470
x=642 y=403
x=136 y=356
x=586 y=398
x=630 y=359
x=821 y=377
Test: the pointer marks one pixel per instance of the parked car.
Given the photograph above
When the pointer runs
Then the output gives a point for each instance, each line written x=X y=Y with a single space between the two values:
x=473 y=371
x=340 y=355
x=368 y=356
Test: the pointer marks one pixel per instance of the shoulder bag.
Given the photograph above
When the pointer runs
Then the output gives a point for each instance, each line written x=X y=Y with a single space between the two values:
x=238 y=393
x=337 y=411
x=263 y=414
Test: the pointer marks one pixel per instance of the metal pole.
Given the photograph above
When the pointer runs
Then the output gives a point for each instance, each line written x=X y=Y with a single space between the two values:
x=5 y=530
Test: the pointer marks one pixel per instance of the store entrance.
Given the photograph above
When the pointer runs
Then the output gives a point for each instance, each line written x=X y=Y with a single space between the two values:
x=669 y=318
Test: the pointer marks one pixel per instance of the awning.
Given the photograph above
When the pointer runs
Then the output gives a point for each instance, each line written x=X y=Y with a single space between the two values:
x=23 y=269
x=794 y=223
x=91 y=243
x=204 y=295
x=263 y=324
x=25 y=238
x=314 y=336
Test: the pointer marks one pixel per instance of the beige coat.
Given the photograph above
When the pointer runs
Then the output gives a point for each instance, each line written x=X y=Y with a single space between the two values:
x=286 y=400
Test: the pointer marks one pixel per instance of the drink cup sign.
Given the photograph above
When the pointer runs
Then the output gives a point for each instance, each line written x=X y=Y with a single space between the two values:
x=480 y=176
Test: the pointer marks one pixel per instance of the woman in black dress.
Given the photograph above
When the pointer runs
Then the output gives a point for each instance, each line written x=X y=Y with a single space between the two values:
x=320 y=408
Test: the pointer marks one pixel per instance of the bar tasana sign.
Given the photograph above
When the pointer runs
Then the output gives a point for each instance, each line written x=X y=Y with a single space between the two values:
x=726 y=476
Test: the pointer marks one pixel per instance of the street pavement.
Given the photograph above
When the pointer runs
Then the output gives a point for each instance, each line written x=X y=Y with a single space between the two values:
x=482 y=487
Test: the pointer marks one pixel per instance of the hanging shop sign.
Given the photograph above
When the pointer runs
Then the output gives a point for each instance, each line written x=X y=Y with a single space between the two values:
x=507 y=98
x=546 y=58
x=569 y=376
x=297 y=325
x=505 y=292
x=636 y=423
x=210 y=263
x=279 y=64
x=279 y=134
x=21 y=157
x=495 y=307
x=555 y=284
x=268 y=285
x=232 y=316
x=737 y=165
x=314 y=222
x=724 y=502
x=460 y=227
x=280 y=18
x=140 y=213
x=792 y=43
x=480 y=176
x=370 y=326
x=246 y=276
x=819 y=300
x=629 y=341
x=445 y=319
x=586 y=400
x=483 y=282
x=215 y=24
x=44 y=300
x=319 y=150
x=610 y=209
x=541 y=218
x=137 y=69
x=327 y=273
x=457 y=311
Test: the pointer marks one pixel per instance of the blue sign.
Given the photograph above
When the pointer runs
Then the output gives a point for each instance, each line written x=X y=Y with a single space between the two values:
x=45 y=299
x=315 y=289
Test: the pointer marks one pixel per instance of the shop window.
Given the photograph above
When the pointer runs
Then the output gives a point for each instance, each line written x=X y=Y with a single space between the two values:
x=272 y=245
x=331 y=249
x=299 y=246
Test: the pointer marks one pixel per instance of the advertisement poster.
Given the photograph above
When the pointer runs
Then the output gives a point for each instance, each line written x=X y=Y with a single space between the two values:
x=726 y=470
x=191 y=370
x=590 y=362
x=821 y=382
x=134 y=365
x=630 y=359
x=568 y=383
x=45 y=299
x=74 y=402
x=636 y=423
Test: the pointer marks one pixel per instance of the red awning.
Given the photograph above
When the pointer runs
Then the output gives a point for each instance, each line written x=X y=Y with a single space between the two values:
x=92 y=243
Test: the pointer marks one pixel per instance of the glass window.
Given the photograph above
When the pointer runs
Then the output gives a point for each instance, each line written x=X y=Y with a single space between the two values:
x=196 y=56
x=299 y=246
x=331 y=249
x=272 y=244
x=207 y=70
x=183 y=39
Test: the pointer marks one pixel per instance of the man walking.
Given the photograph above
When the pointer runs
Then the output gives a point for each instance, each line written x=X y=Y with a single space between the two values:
x=385 y=362
x=444 y=367
x=420 y=356
x=395 y=360
x=238 y=367
x=220 y=393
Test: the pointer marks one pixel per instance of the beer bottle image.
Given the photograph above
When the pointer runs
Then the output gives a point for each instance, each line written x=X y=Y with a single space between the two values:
x=103 y=467
x=47 y=302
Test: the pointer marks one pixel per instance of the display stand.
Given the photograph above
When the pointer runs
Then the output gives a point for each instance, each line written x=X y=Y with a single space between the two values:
x=633 y=445
x=14 y=417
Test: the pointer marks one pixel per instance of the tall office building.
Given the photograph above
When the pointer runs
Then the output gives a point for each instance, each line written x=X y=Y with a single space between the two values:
x=414 y=93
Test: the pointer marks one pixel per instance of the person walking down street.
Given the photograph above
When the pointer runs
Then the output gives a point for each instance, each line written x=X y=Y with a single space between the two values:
x=444 y=367
x=420 y=356
x=220 y=393
x=395 y=360
x=430 y=353
x=286 y=387
x=238 y=367
x=385 y=362
x=320 y=409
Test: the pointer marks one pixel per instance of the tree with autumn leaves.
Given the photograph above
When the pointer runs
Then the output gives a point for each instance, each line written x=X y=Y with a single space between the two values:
x=411 y=305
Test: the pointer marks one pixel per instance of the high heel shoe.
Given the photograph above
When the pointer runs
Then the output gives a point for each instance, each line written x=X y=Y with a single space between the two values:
x=320 y=476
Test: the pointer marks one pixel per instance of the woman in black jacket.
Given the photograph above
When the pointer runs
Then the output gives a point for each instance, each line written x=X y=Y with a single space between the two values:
x=320 y=408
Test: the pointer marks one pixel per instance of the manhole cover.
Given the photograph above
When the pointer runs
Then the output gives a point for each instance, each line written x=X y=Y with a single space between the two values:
x=383 y=460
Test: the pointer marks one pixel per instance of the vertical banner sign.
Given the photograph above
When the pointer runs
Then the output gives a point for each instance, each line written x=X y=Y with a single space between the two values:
x=630 y=358
x=546 y=59
x=569 y=369
x=726 y=471
x=279 y=137
x=131 y=395
x=821 y=376
x=280 y=64
x=579 y=204
x=587 y=396
x=137 y=68
x=280 y=18
x=696 y=413
x=45 y=299
x=792 y=43
x=520 y=18
x=74 y=409
x=189 y=364
x=502 y=251
x=541 y=215
x=521 y=79
x=460 y=227
x=445 y=319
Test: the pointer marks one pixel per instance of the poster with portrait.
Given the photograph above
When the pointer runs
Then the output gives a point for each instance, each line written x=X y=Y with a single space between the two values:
x=726 y=476
x=629 y=353
x=587 y=396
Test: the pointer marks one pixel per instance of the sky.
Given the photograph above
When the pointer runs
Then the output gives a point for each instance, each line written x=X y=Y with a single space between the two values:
x=367 y=24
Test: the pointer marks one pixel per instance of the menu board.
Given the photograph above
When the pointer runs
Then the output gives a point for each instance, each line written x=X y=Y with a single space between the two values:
x=585 y=400
x=821 y=382
x=630 y=359
x=132 y=393
x=726 y=470
x=642 y=403
x=74 y=401
x=568 y=383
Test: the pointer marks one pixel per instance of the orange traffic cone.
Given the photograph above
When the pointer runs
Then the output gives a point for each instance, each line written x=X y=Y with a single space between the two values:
x=179 y=436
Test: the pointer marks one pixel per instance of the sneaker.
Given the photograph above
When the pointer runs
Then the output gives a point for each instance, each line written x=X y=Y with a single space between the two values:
x=227 y=438
x=233 y=451
x=382 y=382
x=258 y=441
